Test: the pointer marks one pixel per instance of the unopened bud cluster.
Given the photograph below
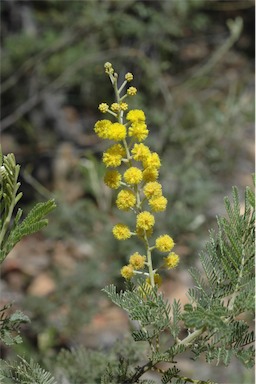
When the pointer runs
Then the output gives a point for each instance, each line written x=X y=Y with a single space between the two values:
x=133 y=170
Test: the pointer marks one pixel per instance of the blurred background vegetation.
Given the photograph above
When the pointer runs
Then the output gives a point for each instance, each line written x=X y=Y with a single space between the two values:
x=195 y=77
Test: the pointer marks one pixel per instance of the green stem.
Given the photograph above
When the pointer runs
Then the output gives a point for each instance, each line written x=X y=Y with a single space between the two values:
x=190 y=338
x=122 y=87
x=149 y=260
x=11 y=206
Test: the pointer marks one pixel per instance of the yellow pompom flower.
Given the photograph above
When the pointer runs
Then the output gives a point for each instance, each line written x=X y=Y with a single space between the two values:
x=121 y=231
x=103 y=107
x=131 y=91
x=125 y=200
x=158 y=204
x=145 y=221
x=101 y=128
x=115 y=107
x=117 y=132
x=112 y=179
x=113 y=155
x=157 y=279
x=137 y=261
x=124 y=106
x=152 y=160
x=152 y=189
x=135 y=116
x=171 y=261
x=164 y=243
x=133 y=175
x=150 y=174
x=129 y=76
x=108 y=68
x=140 y=152
x=127 y=272
x=139 y=131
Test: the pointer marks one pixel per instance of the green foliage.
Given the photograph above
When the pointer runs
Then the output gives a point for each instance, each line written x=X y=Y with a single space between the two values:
x=10 y=325
x=81 y=365
x=24 y=372
x=222 y=301
x=227 y=291
x=12 y=229
x=143 y=305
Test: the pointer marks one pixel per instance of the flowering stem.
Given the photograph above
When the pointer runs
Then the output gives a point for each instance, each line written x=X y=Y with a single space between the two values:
x=120 y=119
x=122 y=86
x=149 y=260
x=140 y=179
x=127 y=151
x=117 y=96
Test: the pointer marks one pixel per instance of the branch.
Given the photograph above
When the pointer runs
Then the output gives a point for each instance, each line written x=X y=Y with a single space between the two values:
x=190 y=338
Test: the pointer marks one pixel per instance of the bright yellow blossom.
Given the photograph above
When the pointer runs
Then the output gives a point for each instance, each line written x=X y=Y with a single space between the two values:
x=128 y=76
x=115 y=107
x=150 y=174
x=158 y=204
x=145 y=220
x=140 y=152
x=137 y=261
x=131 y=91
x=152 y=160
x=127 y=272
x=103 y=107
x=139 y=131
x=135 y=115
x=171 y=261
x=112 y=179
x=152 y=189
x=117 y=132
x=124 y=106
x=133 y=175
x=121 y=231
x=125 y=200
x=108 y=68
x=101 y=128
x=113 y=155
x=164 y=243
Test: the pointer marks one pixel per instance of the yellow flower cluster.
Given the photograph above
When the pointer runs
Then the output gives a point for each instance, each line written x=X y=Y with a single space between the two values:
x=140 y=191
x=113 y=179
x=126 y=199
x=133 y=175
x=121 y=231
x=164 y=243
x=113 y=156
x=171 y=261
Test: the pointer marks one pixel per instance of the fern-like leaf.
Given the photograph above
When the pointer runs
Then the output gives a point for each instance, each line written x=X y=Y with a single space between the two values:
x=24 y=372
x=11 y=229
